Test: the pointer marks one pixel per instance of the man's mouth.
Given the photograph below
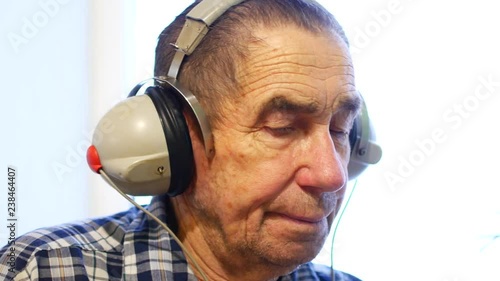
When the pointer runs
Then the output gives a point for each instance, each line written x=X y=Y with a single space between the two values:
x=307 y=219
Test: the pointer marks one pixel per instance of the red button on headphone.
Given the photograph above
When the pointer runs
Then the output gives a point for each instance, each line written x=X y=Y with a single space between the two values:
x=93 y=159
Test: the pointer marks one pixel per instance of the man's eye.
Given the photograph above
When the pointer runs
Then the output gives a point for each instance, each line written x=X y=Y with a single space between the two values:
x=339 y=135
x=281 y=131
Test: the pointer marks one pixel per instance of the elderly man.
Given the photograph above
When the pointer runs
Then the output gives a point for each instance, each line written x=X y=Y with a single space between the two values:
x=276 y=82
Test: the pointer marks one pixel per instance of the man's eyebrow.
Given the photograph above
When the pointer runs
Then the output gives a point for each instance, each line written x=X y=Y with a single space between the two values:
x=348 y=102
x=344 y=102
x=285 y=105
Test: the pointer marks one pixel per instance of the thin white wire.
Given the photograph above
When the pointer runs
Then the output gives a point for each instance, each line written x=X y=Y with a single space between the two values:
x=336 y=227
x=188 y=254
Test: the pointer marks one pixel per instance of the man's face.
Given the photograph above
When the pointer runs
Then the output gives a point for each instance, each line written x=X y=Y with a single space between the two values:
x=277 y=178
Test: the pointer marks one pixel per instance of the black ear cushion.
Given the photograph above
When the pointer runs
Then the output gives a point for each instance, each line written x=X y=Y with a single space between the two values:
x=353 y=134
x=180 y=151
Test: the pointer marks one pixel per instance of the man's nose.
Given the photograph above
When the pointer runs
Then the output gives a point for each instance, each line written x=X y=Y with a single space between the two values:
x=323 y=166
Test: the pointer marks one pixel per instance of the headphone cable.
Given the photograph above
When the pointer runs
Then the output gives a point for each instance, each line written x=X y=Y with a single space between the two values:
x=337 y=225
x=188 y=254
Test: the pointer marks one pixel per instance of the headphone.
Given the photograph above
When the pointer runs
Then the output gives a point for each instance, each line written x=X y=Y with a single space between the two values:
x=143 y=142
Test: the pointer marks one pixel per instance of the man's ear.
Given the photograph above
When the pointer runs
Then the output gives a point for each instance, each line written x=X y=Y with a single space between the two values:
x=193 y=127
x=201 y=159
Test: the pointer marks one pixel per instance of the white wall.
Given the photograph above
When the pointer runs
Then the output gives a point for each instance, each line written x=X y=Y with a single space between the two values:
x=44 y=110
x=64 y=64
x=418 y=63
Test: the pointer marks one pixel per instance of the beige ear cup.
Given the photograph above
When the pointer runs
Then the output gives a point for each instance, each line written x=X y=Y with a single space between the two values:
x=364 y=150
x=132 y=148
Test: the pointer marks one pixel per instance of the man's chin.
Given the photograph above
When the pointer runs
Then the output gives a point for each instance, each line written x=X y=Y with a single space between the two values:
x=290 y=255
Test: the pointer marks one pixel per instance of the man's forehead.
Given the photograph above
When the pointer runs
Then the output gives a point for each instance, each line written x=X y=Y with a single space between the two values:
x=293 y=50
x=296 y=70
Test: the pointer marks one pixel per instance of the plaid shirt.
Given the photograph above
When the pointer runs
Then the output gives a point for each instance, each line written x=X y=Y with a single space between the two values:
x=125 y=246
